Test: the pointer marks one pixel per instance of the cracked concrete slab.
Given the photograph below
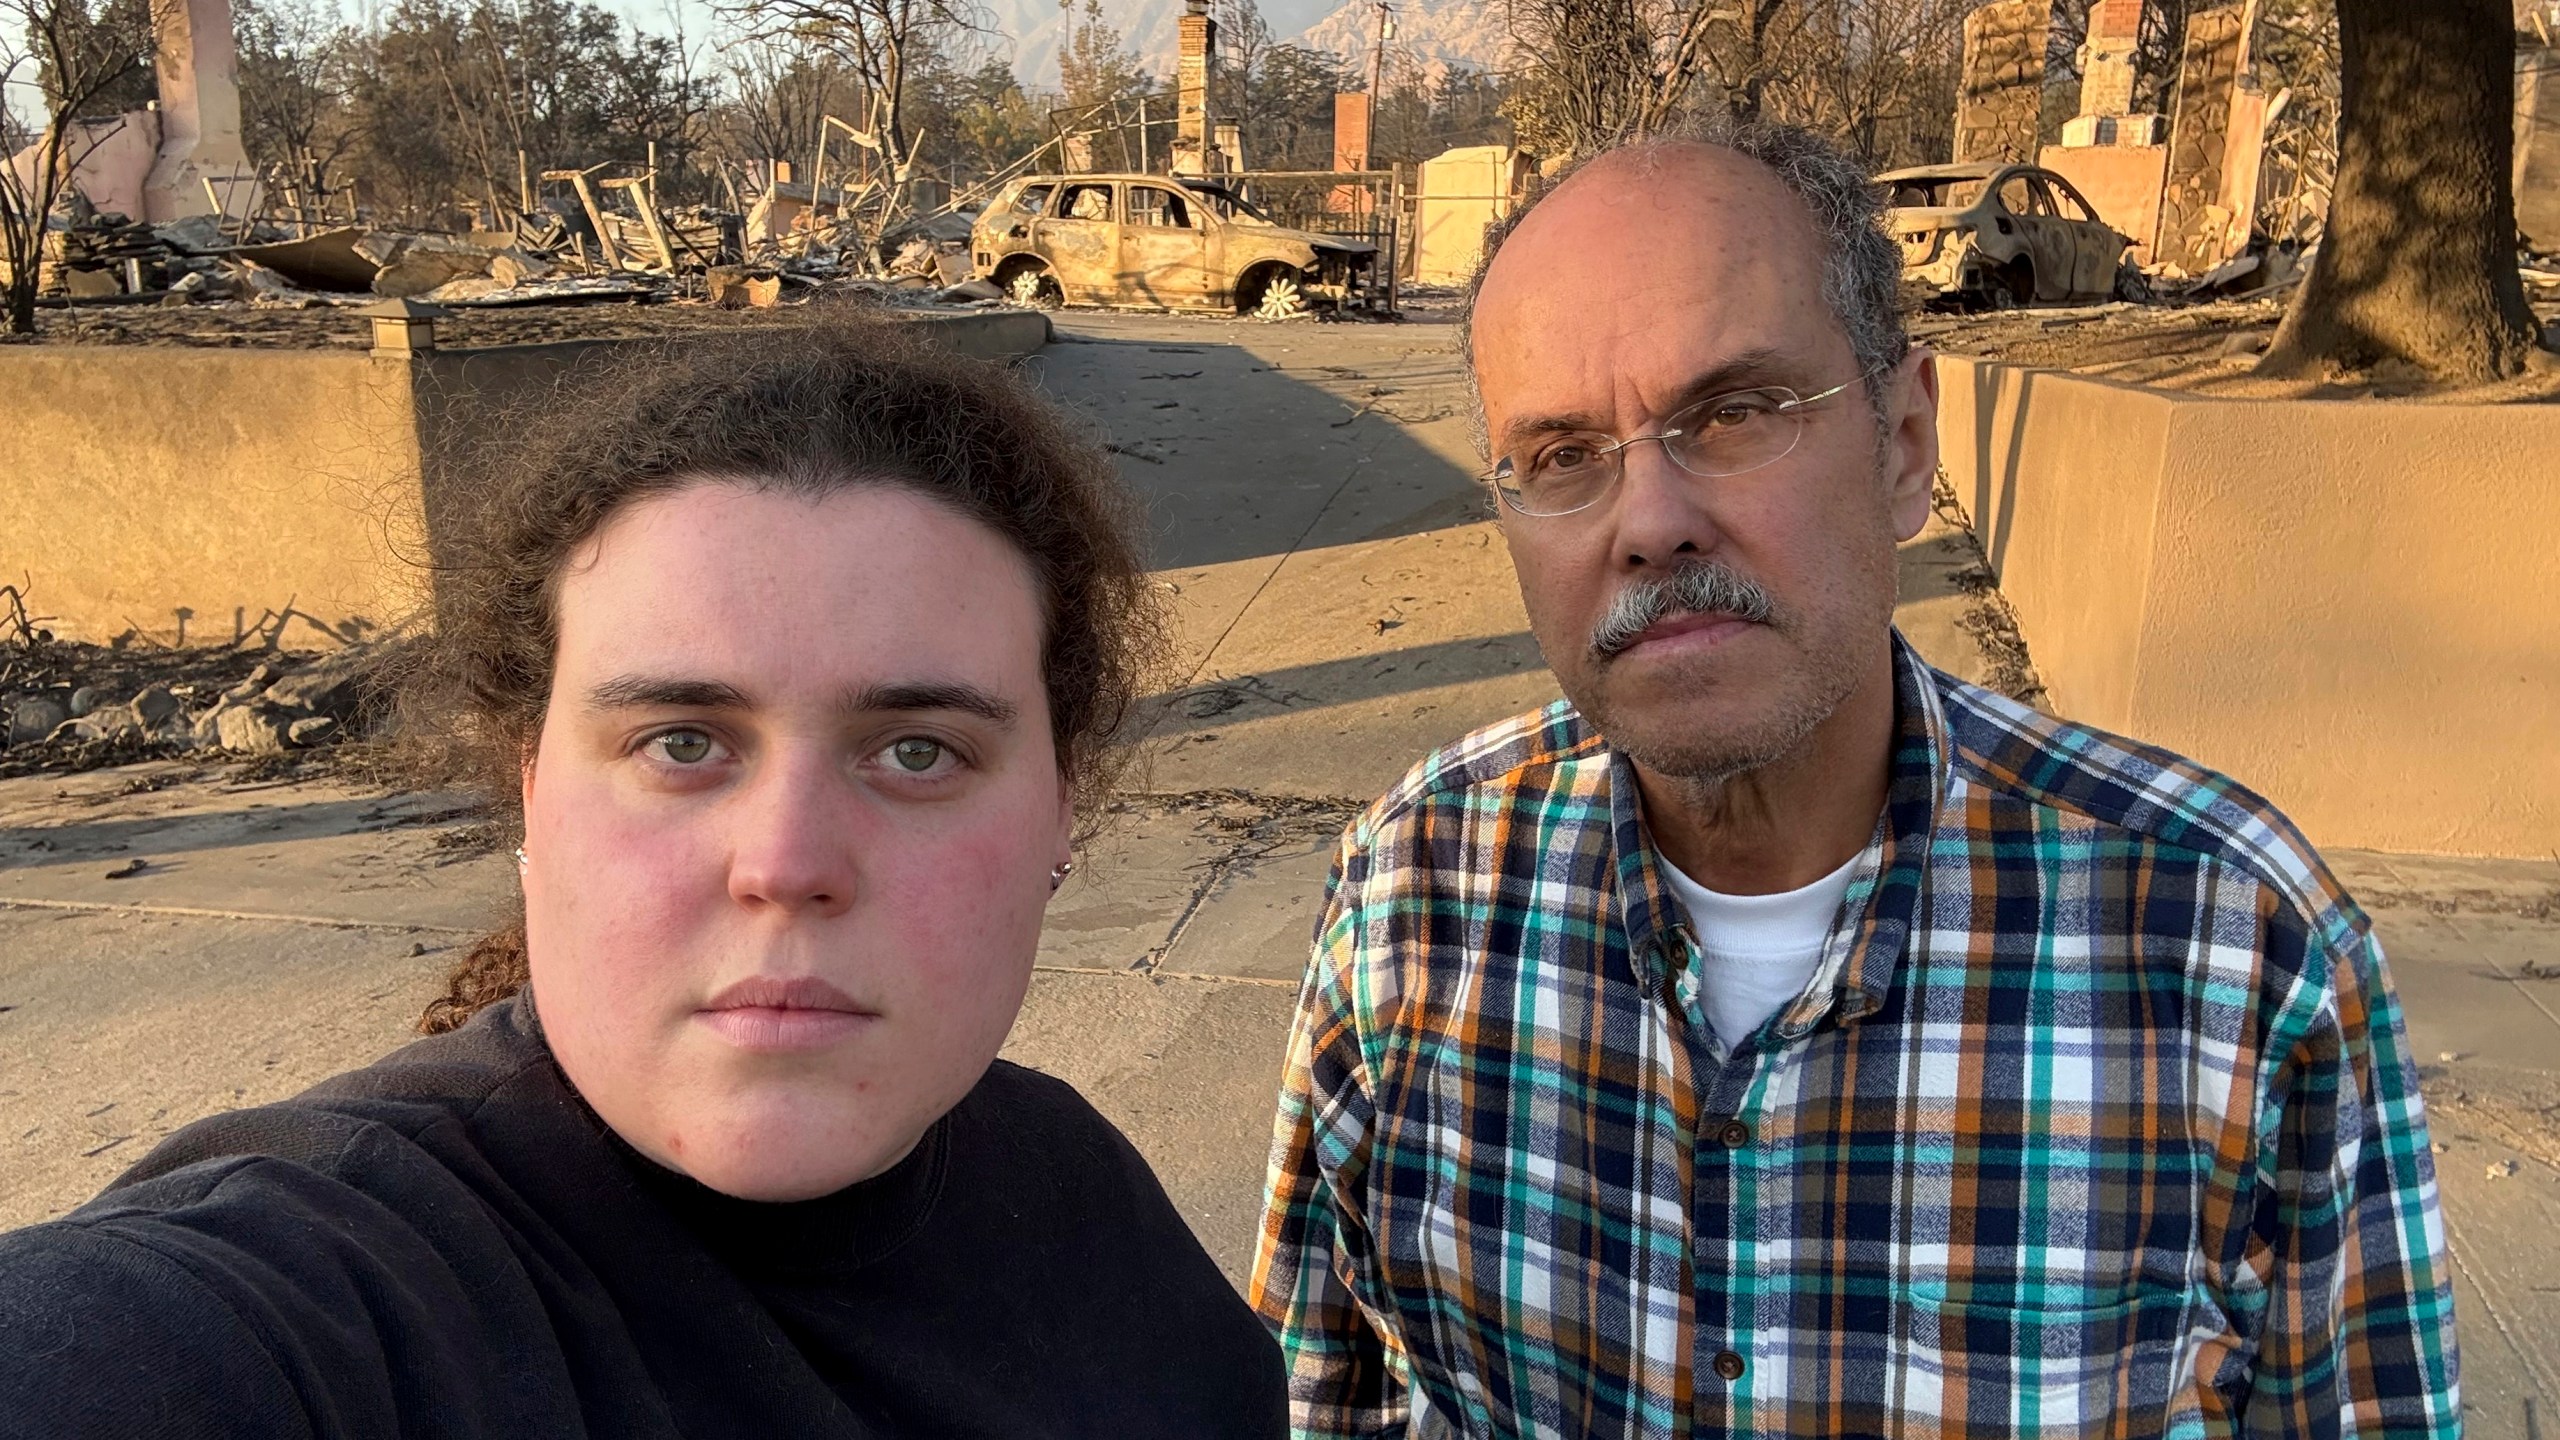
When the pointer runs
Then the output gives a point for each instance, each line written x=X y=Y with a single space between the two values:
x=1257 y=921
x=122 y=1026
x=171 y=840
x=1188 y=1068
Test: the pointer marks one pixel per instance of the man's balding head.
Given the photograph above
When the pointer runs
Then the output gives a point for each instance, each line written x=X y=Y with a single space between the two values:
x=1861 y=269
x=1706 y=619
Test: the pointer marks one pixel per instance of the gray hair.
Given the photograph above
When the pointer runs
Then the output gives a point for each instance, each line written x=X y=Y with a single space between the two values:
x=1861 y=265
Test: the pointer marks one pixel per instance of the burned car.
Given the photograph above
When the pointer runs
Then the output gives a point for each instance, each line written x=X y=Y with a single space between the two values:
x=1159 y=243
x=1999 y=235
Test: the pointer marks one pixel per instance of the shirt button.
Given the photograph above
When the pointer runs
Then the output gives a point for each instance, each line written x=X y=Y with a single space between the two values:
x=1728 y=1365
x=1735 y=1135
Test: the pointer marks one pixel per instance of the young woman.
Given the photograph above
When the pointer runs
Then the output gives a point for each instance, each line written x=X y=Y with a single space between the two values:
x=795 y=656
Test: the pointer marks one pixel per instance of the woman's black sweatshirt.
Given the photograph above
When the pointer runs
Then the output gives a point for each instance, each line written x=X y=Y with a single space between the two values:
x=451 y=1243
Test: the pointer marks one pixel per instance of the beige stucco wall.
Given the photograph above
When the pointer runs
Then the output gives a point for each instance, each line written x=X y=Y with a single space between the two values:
x=2352 y=608
x=1462 y=192
x=137 y=480
x=2121 y=182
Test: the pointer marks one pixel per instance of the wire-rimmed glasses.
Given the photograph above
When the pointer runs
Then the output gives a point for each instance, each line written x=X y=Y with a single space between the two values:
x=1729 y=434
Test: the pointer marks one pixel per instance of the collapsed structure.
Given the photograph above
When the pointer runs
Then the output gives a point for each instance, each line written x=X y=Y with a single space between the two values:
x=164 y=205
x=2187 y=189
x=2182 y=189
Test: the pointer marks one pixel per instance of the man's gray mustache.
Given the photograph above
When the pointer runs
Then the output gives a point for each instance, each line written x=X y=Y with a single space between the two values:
x=1701 y=587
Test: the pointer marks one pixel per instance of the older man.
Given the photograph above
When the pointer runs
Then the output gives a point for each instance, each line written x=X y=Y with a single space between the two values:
x=1781 y=1037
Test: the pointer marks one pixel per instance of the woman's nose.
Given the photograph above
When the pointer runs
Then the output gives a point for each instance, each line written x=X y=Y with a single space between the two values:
x=794 y=838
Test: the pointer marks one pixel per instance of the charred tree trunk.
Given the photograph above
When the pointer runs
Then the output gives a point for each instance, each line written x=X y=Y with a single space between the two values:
x=2418 y=262
x=19 y=300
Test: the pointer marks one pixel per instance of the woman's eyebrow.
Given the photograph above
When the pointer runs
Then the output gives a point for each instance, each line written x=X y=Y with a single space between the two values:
x=929 y=695
x=624 y=692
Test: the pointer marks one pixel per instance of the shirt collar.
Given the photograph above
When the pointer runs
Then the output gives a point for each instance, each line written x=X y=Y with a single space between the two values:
x=1884 y=894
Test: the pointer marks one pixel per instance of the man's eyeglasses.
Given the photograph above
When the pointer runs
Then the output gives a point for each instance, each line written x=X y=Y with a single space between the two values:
x=1721 y=435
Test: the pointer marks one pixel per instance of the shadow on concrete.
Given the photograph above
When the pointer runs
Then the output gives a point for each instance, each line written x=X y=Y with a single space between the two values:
x=1227 y=699
x=1992 y=522
x=1236 y=459
x=470 y=406
x=25 y=847
x=1933 y=567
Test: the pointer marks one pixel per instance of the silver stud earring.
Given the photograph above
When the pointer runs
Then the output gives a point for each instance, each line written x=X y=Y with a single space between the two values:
x=1059 y=873
x=521 y=861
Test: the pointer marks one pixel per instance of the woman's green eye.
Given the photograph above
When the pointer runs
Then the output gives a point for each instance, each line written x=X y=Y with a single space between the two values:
x=684 y=747
x=916 y=754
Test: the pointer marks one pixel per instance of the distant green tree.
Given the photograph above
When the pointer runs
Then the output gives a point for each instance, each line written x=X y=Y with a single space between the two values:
x=444 y=93
x=1095 y=66
x=1293 y=89
x=1101 y=84
x=1424 y=113
x=293 y=83
x=109 y=71
x=973 y=122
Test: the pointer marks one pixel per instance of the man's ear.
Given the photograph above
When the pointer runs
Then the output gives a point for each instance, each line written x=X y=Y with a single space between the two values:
x=1911 y=441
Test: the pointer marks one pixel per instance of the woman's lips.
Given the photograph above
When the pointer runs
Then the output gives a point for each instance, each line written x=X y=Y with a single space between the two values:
x=772 y=1014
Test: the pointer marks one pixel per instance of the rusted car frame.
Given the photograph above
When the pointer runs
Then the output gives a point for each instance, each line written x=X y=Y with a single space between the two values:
x=2000 y=235
x=1152 y=242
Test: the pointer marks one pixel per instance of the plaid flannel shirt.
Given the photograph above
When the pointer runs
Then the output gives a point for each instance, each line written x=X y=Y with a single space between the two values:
x=2096 y=1118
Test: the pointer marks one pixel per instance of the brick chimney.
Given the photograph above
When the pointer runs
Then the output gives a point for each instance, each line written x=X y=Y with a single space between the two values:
x=2107 y=60
x=1351 y=130
x=1193 y=146
x=199 y=75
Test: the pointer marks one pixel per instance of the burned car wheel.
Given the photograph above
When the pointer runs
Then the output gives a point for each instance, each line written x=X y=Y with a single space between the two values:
x=1275 y=294
x=2018 y=284
x=1031 y=288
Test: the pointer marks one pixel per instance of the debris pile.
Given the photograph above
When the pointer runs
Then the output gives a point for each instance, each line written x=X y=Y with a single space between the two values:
x=95 y=252
x=591 y=239
x=90 y=706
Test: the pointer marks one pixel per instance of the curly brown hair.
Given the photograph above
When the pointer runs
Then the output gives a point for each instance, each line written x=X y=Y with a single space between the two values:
x=808 y=410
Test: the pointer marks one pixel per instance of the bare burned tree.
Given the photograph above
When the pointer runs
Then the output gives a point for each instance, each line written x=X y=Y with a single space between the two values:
x=1587 y=75
x=2418 y=260
x=56 y=41
x=779 y=96
x=1741 y=47
x=883 y=43
x=293 y=88
x=1879 y=74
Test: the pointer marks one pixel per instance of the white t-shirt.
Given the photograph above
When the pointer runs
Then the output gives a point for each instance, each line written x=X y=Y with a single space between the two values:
x=1756 y=952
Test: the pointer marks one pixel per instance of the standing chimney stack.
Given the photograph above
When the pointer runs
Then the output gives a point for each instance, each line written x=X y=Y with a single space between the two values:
x=199 y=75
x=1194 y=149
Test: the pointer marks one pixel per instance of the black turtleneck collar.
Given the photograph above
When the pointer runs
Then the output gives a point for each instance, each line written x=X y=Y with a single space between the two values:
x=828 y=1236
